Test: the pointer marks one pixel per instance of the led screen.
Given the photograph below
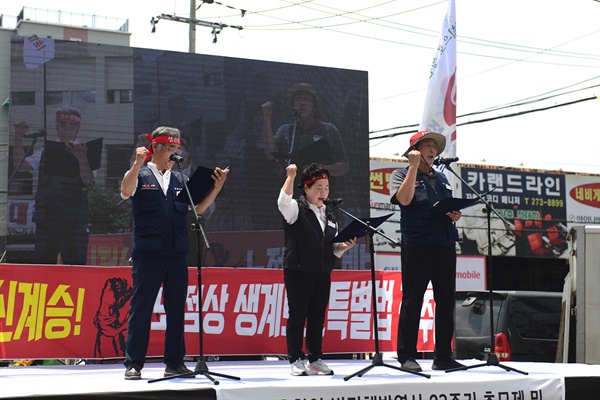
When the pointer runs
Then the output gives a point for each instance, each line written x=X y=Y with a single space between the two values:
x=218 y=103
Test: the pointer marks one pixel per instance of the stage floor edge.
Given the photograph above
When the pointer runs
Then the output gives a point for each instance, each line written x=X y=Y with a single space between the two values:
x=266 y=380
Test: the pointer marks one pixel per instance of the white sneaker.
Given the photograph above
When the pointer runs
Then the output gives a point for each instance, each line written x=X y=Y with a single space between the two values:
x=319 y=368
x=298 y=368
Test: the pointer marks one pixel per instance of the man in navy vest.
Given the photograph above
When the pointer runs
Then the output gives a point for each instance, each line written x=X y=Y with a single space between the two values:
x=160 y=248
x=428 y=250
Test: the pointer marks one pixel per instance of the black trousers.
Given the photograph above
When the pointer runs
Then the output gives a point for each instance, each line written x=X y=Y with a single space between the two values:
x=71 y=242
x=422 y=263
x=149 y=273
x=308 y=296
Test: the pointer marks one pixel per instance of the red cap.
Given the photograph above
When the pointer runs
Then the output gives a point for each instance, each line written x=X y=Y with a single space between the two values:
x=440 y=141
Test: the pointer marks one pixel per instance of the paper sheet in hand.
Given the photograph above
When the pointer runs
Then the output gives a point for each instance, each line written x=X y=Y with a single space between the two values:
x=357 y=230
x=59 y=162
x=455 y=203
x=314 y=152
x=199 y=184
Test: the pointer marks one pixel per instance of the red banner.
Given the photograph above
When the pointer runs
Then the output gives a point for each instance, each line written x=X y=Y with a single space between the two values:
x=81 y=312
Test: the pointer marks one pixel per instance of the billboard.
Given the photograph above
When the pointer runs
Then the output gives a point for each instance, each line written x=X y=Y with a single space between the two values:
x=532 y=206
x=538 y=208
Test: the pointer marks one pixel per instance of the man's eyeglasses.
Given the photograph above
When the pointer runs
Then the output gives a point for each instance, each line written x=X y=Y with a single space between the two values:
x=174 y=149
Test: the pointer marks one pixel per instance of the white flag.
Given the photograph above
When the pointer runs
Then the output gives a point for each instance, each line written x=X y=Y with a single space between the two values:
x=37 y=51
x=439 y=114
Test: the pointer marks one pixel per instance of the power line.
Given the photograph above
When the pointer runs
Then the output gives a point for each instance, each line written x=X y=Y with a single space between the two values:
x=391 y=135
x=522 y=103
x=513 y=104
x=381 y=21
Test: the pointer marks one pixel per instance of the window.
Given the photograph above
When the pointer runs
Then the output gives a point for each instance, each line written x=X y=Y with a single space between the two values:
x=126 y=95
x=23 y=98
x=83 y=97
x=110 y=97
x=537 y=318
x=68 y=97
x=119 y=96
x=56 y=98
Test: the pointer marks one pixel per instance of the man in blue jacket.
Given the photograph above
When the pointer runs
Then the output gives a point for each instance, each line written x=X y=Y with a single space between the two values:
x=160 y=248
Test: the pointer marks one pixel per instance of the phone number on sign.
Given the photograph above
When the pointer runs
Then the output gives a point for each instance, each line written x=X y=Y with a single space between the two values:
x=537 y=201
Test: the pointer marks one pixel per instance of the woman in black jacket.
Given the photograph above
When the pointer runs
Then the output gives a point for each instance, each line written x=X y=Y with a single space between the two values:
x=308 y=260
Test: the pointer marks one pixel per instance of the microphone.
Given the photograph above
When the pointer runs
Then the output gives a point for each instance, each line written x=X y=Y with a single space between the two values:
x=296 y=113
x=445 y=161
x=333 y=202
x=176 y=158
x=35 y=134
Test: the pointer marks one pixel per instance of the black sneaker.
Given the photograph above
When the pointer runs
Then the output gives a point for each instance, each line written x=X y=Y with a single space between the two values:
x=445 y=363
x=180 y=370
x=133 y=372
x=411 y=365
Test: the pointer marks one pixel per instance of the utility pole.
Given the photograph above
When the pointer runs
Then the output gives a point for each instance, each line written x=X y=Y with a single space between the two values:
x=192 y=27
x=192 y=21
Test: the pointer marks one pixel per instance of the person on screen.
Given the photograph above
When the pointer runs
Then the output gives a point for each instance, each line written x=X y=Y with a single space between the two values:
x=303 y=101
x=427 y=250
x=160 y=248
x=308 y=260
x=61 y=212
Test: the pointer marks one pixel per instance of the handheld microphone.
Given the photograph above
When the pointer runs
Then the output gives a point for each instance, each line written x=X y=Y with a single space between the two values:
x=35 y=134
x=444 y=161
x=176 y=158
x=333 y=202
x=296 y=113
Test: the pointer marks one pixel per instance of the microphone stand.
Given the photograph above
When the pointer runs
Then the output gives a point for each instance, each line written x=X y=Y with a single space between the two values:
x=296 y=116
x=492 y=358
x=201 y=367
x=378 y=357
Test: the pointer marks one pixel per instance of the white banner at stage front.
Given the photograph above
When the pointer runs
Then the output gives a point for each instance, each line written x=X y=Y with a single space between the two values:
x=389 y=384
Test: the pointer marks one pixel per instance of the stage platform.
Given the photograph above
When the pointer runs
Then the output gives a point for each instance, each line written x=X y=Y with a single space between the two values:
x=265 y=380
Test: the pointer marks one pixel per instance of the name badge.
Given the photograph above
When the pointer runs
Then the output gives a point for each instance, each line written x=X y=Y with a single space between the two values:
x=331 y=224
